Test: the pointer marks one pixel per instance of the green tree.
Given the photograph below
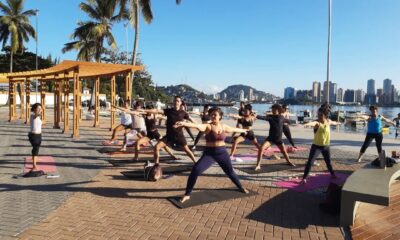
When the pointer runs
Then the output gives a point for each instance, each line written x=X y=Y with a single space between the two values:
x=90 y=35
x=15 y=26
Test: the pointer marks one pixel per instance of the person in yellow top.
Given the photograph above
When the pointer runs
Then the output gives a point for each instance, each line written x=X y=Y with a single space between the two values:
x=321 y=142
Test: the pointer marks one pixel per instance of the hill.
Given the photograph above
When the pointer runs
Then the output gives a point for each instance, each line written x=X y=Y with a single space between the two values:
x=233 y=92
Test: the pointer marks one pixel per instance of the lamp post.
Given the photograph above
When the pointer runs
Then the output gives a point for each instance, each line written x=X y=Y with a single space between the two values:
x=36 y=40
x=328 y=62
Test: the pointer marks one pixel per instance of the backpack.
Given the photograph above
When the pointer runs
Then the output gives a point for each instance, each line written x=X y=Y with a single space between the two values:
x=152 y=172
x=34 y=173
x=332 y=201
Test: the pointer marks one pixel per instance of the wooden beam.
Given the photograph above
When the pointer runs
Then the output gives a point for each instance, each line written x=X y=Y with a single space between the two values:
x=75 y=133
x=28 y=101
x=11 y=100
x=66 y=106
x=112 y=125
x=128 y=85
x=22 y=101
x=97 y=102
x=56 y=99
x=42 y=89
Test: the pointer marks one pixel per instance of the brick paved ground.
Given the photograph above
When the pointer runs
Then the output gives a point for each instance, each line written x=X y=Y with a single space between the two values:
x=110 y=206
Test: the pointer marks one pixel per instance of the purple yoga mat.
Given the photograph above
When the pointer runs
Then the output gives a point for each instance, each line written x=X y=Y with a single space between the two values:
x=313 y=182
x=246 y=157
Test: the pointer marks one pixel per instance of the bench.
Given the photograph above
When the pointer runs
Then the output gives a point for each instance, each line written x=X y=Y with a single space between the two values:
x=370 y=185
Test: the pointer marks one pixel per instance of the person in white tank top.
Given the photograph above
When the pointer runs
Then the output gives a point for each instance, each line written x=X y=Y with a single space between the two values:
x=126 y=122
x=35 y=133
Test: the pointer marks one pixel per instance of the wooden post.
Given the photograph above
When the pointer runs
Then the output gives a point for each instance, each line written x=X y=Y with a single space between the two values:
x=28 y=100
x=11 y=99
x=59 y=103
x=112 y=102
x=77 y=108
x=22 y=100
x=55 y=98
x=43 y=99
x=80 y=99
x=97 y=102
x=128 y=84
x=66 y=105
x=14 y=109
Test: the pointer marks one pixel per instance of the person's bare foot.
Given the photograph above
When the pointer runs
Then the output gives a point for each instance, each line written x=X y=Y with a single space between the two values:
x=333 y=176
x=184 y=199
x=291 y=164
x=258 y=167
x=135 y=159
x=304 y=181
x=123 y=149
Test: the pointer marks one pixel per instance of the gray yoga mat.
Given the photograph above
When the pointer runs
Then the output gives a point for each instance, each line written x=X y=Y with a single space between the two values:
x=209 y=196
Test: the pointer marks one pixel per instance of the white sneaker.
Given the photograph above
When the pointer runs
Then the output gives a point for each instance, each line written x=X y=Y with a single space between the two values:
x=238 y=159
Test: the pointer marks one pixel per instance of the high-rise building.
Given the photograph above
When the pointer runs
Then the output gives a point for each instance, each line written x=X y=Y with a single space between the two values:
x=349 y=96
x=339 y=95
x=387 y=86
x=251 y=96
x=316 y=92
x=241 y=95
x=359 y=95
x=371 y=87
x=332 y=92
x=289 y=93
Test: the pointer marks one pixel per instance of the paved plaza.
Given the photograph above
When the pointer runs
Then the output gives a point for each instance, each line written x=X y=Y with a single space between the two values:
x=92 y=199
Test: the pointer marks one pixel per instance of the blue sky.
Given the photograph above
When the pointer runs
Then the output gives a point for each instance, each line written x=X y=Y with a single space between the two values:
x=267 y=44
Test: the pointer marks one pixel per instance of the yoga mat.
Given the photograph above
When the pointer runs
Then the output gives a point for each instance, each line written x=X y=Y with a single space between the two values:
x=141 y=161
x=209 y=196
x=138 y=174
x=119 y=143
x=247 y=157
x=266 y=168
x=45 y=163
x=313 y=182
x=289 y=149
x=108 y=149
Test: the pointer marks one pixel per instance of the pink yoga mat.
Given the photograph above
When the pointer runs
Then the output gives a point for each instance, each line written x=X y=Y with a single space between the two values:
x=289 y=149
x=313 y=182
x=45 y=163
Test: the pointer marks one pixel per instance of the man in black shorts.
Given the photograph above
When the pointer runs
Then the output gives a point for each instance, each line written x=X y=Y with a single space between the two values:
x=275 y=135
x=174 y=136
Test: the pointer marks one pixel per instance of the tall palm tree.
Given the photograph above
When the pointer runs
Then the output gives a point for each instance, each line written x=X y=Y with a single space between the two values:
x=15 y=26
x=134 y=16
x=91 y=35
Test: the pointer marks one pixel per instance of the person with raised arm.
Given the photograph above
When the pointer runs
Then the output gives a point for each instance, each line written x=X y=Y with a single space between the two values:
x=205 y=118
x=286 y=130
x=247 y=120
x=321 y=142
x=174 y=136
x=275 y=135
x=374 y=130
x=215 y=151
x=126 y=121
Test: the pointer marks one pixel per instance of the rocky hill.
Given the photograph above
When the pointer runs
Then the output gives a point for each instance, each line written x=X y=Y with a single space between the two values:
x=188 y=93
x=248 y=93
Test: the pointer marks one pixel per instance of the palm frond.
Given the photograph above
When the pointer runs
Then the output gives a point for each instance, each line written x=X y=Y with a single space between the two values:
x=146 y=10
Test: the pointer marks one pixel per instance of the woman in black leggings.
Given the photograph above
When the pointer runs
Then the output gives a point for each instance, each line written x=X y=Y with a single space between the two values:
x=35 y=133
x=215 y=150
x=286 y=130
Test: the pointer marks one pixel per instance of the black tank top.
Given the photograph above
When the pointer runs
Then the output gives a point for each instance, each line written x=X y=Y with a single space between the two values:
x=246 y=123
x=150 y=124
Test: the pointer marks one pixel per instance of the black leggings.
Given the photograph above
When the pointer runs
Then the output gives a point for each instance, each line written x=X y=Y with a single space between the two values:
x=368 y=139
x=314 y=152
x=199 y=135
x=211 y=155
x=189 y=132
x=35 y=140
x=288 y=135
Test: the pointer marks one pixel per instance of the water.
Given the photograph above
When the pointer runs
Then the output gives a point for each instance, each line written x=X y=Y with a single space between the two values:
x=388 y=112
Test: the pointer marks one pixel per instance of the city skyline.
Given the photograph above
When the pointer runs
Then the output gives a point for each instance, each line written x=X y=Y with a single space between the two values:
x=276 y=41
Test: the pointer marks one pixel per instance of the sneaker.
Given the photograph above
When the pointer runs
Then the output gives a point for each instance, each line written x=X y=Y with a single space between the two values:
x=238 y=159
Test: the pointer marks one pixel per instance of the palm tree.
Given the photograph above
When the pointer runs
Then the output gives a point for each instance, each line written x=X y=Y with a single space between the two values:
x=90 y=35
x=15 y=26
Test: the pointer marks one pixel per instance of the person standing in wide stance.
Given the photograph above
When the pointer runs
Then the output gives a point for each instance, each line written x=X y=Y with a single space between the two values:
x=215 y=151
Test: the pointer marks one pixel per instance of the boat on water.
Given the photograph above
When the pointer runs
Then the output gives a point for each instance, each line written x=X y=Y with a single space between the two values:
x=355 y=118
x=304 y=116
x=338 y=116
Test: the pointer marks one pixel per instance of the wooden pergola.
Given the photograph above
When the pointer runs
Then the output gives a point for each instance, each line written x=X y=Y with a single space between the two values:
x=61 y=75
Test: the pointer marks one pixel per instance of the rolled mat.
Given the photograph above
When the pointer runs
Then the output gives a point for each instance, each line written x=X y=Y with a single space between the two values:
x=313 y=182
x=45 y=163
x=209 y=196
